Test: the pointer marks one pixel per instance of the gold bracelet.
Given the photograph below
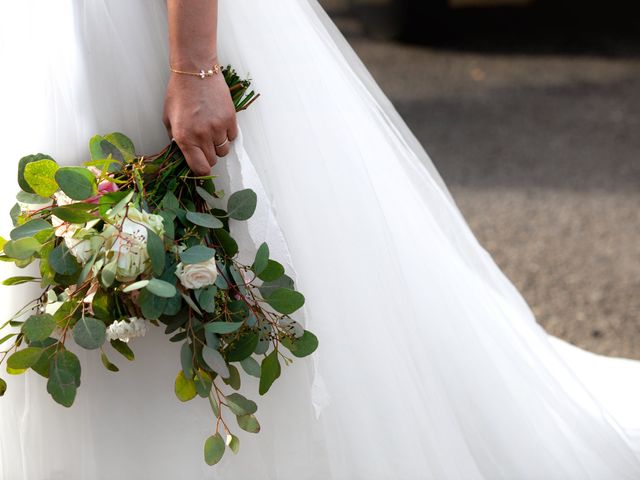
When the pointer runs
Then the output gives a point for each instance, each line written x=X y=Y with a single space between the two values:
x=202 y=73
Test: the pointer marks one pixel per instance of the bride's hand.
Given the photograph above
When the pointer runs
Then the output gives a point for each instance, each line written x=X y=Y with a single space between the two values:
x=199 y=114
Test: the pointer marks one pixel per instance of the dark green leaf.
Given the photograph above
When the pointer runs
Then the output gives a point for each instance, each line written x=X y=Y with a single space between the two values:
x=214 y=448
x=73 y=214
x=303 y=346
x=62 y=261
x=285 y=301
x=240 y=405
x=272 y=272
x=228 y=244
x=234 y=378
x=151 y=305
x=24 y=358
x=197 y=254
x=107 y=364
x=123 y=144
x=77 y=183
x=123 y=349
x=249 y=423
x=222 y=328
x=3 y=387
x=242 y=204
x=270 y=371
x=38 y=327
x=186 y=360
x=89 y=333
x=242 y=348
x=61 y=386
x=155 y=248
x=262 y=259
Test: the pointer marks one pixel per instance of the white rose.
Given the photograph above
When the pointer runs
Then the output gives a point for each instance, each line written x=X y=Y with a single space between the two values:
x=197 y=275
x=129 y=245
x=82 y=243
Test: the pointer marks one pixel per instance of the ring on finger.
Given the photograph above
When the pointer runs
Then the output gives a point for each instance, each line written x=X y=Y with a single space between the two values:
x=226 y=140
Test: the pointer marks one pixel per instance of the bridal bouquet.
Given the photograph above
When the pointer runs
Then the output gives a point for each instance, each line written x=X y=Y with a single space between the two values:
x=126 y=242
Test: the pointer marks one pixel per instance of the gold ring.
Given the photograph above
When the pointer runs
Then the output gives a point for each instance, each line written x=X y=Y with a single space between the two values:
x=222 y=144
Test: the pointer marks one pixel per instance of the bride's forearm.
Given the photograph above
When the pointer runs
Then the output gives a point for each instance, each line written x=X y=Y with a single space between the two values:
x=193 y=33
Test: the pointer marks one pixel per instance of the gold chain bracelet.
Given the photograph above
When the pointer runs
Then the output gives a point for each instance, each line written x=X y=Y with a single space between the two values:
x=202 y=73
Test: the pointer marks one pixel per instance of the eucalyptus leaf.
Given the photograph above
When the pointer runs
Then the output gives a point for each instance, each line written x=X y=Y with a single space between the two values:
x=207 y=298
x=40 y=175
x=30 y=228
x=135 y=286
x=204 y=220
x=3 y=387
x=24 y=358
x=215 y=361
x=185 y=388
x=233 y=443
x=270 y=371
x=123 y=349
x=155 y=249
x=22 y=164
x=251 y=366
x=272 y=272
x=73 y=214
x=38 y=327
x=18 y=280
x=242 y=348
x=107 y=363
x=203 y=383
x=234 y=378
x=89 y=333
x=214 y=448
x=248 y=423
x=62 y=386
x=22 y=248
x=242 y=204
x=186 y=360
x=62 y=261
x=160 y=288
x=77 y=183
x=285 y=300
x=197 y=254
x=262 y=259
x=303 y=346
x=228 y=244
x=222 y=328
x=240 y=405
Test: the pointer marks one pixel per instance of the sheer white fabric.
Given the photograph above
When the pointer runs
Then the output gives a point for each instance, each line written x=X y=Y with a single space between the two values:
x=431 y=365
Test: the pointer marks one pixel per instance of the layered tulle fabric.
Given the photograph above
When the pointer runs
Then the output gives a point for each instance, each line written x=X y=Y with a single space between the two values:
x=430 y=365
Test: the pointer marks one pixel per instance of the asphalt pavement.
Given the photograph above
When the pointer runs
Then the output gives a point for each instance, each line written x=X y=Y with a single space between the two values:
x=541 y=150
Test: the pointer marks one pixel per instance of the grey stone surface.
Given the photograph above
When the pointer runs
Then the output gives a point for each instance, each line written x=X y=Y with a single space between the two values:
x=542 y=154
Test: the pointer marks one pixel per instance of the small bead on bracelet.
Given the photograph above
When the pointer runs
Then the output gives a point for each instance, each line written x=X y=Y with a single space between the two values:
x=202 y=73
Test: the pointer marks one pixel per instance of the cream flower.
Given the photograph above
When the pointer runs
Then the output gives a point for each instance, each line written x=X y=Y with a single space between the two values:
x=83 y=243
x=125 y=330
x=197 y=275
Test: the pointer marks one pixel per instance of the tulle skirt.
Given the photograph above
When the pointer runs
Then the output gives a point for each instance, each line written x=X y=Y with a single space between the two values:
x=430 y=363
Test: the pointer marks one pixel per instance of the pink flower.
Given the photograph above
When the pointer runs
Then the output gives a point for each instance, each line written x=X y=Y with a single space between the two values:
x=104 y=187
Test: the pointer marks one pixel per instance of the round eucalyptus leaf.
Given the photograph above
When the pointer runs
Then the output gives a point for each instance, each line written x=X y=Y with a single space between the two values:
x=285 y=300
x=248 y=423
x=69 y=362
x=22 y=248
x=73 y=214
x=62 y=261
x=3 y=387
x=30 y=228
x=40 y=175
x=155 y=248
x=197 y=254
x=303 y=346
x=271 y=272
x=38 y=327
x=242 y=348
x=78 y=183
x=214 y=448
x=242 y=204
x=185 y=388
x=62 y=386
x=22 y=164
x=24 y=358
x=89 y=333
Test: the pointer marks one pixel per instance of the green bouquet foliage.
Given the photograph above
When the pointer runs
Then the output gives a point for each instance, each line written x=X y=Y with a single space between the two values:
x=126 y=241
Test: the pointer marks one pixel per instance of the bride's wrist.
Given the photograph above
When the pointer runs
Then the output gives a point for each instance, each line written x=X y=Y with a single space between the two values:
x=191 y=61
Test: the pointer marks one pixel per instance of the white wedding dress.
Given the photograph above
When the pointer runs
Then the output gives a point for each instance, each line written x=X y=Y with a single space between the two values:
x=430 y=366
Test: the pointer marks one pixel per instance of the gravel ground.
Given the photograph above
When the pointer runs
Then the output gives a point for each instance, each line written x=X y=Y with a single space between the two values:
x=541 y=152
